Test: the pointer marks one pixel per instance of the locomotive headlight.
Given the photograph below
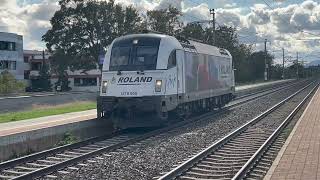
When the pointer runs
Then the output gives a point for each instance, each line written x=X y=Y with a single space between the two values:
x=104 y=87
x=158 y=85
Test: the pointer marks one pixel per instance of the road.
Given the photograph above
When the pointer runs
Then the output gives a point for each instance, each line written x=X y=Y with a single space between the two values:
x=22 y=103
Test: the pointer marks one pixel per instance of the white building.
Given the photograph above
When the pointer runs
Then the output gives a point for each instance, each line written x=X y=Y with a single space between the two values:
x=79 y=80
x=11 y=54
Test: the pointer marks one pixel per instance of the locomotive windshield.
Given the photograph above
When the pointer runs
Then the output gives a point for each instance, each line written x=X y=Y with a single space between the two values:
x=134 y=54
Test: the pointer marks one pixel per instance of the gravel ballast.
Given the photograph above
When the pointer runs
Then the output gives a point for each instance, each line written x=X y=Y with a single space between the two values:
x=159 y=154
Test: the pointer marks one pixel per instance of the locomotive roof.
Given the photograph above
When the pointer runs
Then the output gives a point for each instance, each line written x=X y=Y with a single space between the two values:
x=188 y=45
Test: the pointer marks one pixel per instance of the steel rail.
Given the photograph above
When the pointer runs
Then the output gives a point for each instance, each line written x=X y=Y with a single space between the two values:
x=246 y=167
x=55 y=167
x=281 y=86
x=179 y=170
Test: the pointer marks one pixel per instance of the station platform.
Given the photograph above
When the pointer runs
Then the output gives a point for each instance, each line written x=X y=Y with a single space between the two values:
x=45 y=122
x=299 y=158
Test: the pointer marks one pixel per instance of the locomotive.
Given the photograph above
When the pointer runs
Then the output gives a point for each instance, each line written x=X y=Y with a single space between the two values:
x=147 y=78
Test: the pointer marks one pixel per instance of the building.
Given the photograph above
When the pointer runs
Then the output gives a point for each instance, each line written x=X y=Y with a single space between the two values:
x=79 y=80
x=11 y=54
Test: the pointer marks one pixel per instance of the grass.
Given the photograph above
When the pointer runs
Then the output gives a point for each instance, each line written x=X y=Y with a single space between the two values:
x=68 y=138
x=41 y=111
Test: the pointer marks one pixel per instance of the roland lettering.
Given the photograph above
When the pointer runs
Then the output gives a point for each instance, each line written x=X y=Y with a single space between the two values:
x=126 y=79
x=137 y=79
x=143 y=79
x=134 y=80
x=149 y=79
x=120 y=80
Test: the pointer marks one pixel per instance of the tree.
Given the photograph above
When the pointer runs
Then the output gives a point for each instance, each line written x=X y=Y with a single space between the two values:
x=43 y=82
x=83 y=29
x=257 y=64
x=164 y=20
x=194 y=31
x=60 y=63
x=8 y=83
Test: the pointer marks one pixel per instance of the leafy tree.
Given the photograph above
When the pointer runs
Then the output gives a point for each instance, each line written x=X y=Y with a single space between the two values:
x=164 y=20
x=60 y=62
x=84 y=28
x=257 y=64
x=8 y=83
x=194 y=31
x=43 y=82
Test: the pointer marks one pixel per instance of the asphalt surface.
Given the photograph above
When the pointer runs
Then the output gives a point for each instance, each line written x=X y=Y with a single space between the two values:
x=23 y=103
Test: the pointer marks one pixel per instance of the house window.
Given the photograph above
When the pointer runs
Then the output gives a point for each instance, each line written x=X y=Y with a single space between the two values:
x=9 y=65
x=36 y=66
x=7 y=46
x=26 y=59
x=85 y=81
x=26 y=74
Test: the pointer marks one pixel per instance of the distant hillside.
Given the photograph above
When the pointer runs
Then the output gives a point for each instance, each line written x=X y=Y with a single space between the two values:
x=314 y=63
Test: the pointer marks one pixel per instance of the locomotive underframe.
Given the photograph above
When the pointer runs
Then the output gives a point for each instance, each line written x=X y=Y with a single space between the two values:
x=148 y=111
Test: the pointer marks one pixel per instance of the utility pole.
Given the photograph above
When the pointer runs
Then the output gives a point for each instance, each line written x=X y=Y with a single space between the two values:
x=282 y=63
x=265 y=61
x=213 y=25
x=297 y=65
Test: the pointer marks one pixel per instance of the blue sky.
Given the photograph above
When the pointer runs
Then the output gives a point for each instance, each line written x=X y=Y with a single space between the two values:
x=290 y=24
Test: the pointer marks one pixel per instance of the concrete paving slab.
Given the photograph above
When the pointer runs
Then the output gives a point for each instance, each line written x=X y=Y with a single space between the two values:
x=299 y=157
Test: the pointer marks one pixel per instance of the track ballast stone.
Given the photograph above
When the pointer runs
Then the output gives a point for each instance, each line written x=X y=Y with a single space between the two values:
x=159 y=154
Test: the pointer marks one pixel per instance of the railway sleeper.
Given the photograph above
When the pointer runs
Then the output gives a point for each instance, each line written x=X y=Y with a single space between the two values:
x=269 y=157
x=236 y=151
x=7 y=177
x=14 y=172
x=261 y=168
x=209 y=163
x=259 y=171
x=235 y=147
x=255 y=175
x=245 y=140
x=206 y=171
x=37 y=165
x=47 y=162
x=57 y=158
x=249 y=137
x=203 y=166
x=74 y=153
x=225 y=152
x=233 y=157
x=193 y=178
x=207 y=176
x=66 y=155
x=26 y=168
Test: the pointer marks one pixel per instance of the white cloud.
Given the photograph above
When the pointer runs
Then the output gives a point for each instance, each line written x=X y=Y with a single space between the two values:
x=255 y=23
x=31 y=21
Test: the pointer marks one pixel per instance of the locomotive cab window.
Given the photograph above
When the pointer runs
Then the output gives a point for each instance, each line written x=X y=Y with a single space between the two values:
x=146 y=56
x=120 y=56
x=172 y=61
x=132 y=54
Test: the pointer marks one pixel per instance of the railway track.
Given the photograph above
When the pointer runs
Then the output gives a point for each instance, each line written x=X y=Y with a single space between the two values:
x=242 y=154
x=46 y=162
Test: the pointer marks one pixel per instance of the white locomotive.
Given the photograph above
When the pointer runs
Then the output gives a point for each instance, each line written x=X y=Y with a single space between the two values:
x=147 y=78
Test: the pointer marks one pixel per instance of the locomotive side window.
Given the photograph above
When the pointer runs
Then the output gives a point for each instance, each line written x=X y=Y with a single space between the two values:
x=172 y=62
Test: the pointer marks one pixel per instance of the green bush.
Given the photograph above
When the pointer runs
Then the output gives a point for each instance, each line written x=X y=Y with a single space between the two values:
x=8 y=83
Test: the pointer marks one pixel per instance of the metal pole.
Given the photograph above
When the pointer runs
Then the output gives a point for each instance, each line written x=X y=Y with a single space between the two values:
x=297 y=65
x=213 y=26
x=282 y=63
x=265 y=61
